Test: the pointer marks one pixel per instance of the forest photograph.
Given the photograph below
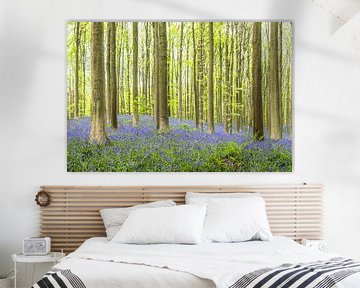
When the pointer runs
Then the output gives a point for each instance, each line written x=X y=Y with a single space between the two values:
x=179 y=96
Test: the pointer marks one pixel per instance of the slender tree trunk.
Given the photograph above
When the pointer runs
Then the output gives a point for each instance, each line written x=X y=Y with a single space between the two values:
x=135 y=76
x=113 y=78
x=163 y=97
x=201 y=77
x=123 y=68
x=280 y=71
x=211 y=80
x=128 y=71
x=275 y=132
x=118 y=61
x=238 y=104
x=84 y=78
x=221 y=98
x=258 y=130
x=156 y=76
x=188 y=84
x=231 y=82
x=147 y=70
x=227 y=96
x=97 y=134
x=180 y=104
x=195 y=81
x=108 y=78
x=77 y=68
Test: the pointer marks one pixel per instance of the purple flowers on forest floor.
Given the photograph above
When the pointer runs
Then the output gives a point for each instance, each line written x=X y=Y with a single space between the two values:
x=183 y=149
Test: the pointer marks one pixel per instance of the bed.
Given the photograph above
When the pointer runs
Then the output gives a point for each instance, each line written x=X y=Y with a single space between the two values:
x=294 y=211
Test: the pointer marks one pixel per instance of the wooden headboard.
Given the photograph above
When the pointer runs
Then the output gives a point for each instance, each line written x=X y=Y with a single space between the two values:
x=73 y=215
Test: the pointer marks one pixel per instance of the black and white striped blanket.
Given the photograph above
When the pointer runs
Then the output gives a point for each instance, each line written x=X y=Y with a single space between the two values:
x=320 y=274
x=57 y=278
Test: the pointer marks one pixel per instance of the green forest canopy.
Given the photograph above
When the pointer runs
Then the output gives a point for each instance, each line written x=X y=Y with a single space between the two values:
x=238 y=74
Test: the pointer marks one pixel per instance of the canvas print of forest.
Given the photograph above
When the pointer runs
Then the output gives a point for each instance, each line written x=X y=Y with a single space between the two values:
x=179 y=96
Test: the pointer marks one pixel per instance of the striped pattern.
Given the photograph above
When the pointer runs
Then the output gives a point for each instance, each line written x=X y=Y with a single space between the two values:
x=320 y=274
x=59 y=278
x=73 y=216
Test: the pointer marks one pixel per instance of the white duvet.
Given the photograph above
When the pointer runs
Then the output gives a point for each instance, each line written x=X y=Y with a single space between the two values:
x=100 y=263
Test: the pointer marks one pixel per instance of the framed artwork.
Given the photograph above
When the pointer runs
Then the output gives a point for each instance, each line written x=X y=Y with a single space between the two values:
x=179 y=96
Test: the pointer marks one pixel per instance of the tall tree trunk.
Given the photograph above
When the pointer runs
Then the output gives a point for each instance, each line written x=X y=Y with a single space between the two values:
x=128 y=71
x=231 y=82
x=113 y=78
x=275 y=124
x=84 y=78
x=188 y=84
x=147 y=70
x=211 y=80
x=135 y=76
x=123 y=68
x=280 y=71
x=258 y=129
x=201 y=77
x=180 y=104
x=195 y=81
x=163 y=97
x=238 y=104
x=227 y=96
x=220 y=102
x=77 y=68
x=156 y=76
x=108 y=78
x=97 y=134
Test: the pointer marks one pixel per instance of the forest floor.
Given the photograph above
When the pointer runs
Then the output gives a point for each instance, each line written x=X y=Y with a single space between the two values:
x=184 y=149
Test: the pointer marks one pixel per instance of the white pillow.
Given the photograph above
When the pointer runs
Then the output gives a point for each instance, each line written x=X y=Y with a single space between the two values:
x=204 y=198
x=236 y=220
x=113 y=218
x=180 y=224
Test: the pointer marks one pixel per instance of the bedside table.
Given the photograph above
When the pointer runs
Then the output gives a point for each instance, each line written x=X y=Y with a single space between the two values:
x=52 y=257
x=320 y=245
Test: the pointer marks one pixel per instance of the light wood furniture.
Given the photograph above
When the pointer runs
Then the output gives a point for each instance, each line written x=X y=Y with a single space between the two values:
x=73 y=215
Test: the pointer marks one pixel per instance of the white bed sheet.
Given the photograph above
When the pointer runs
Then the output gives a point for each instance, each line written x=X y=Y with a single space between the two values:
x=100 y=263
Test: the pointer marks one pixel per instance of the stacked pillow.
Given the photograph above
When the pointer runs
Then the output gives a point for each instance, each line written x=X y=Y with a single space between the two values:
x=171 y=225
x=220 y=217
x=233 y=217
x=114 y=218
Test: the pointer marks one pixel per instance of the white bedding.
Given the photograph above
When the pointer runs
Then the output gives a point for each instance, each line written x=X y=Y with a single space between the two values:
x=100 y=263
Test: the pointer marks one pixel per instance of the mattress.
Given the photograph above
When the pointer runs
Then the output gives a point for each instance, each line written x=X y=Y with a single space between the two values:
x=99 y=263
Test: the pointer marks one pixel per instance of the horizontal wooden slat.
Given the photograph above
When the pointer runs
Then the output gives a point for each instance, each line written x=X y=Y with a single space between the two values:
x=73 y=216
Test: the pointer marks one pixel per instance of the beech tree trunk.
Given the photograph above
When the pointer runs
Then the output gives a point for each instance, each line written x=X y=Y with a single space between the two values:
x=227 y=95
x=77 y=68
x=180 y=104
x=108 y=78
x=258 y=129
x=211 y=80
x=135 y=76
x=163 y=97
x=275 y=112
x=97 y=134
x=156 y=76
x=113 y=78
x=195 y=81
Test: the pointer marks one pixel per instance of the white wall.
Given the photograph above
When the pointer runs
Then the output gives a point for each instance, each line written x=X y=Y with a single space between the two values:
x=33 y=119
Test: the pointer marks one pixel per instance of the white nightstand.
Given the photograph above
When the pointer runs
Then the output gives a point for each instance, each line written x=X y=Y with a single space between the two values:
x=320 y=245
x=53 y=257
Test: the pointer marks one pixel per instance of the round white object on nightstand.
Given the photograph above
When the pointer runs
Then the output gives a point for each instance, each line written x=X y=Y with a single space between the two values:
x=320 y=245
x=53 y=257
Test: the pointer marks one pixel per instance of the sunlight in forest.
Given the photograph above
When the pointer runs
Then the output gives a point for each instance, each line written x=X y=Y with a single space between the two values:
x=179 y=96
